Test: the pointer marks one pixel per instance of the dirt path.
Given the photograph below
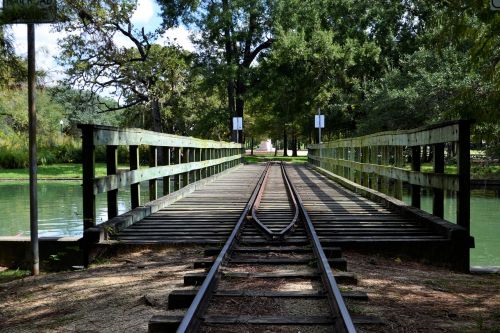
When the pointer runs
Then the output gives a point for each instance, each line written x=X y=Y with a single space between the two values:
x=122 y=294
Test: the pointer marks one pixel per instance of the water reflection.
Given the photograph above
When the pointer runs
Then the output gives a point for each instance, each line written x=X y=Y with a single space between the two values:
x=484 y=220
x=59 y=208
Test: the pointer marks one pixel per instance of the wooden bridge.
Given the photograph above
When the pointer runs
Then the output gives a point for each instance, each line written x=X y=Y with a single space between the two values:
x=351 y=189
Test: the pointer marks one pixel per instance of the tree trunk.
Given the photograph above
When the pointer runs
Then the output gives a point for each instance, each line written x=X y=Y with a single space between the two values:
x=276 y=149
x=156 y=125
x=240 y=102
x=155 y=116
x=294 y=145
x=251 y=147
x=285 y=143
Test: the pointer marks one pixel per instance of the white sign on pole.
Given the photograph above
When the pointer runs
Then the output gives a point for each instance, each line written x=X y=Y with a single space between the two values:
x=495 y=5
x=237 y=123
x=319 y=121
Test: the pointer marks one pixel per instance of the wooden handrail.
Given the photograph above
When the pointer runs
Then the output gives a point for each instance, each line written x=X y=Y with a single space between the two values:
x=186 y=160
x=376 y=161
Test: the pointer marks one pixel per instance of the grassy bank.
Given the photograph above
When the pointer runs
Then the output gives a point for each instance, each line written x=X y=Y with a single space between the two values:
x=270 y=157
x=54 y=171
x=68 y=171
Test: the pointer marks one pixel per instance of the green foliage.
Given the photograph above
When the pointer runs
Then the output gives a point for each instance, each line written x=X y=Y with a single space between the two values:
x=13 y=274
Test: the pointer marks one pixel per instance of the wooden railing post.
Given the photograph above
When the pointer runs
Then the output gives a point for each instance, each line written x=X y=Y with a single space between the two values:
x=399 y=162
x=185 y=159
x=177 y=160
x=200 y=158
x=153 y=183
x=203 y=157
x=192 y=158
x=415 y=166
x=112 y=169
x=135 y=189
x=166 y=180
x=438 y=200
x=88 y=165
x=463 y=161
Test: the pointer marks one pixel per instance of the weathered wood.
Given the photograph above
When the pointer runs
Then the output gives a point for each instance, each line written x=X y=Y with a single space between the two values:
x=111 y=169
x=123 y=179
x=463 y=207
x=415 y=166
x=153 y=183
x=105 y=135
x=438 y=199
x=441 y=181
x=135 y=192
x=269 y=320
x=167 y=187
x=427 y=135
x=88 y=165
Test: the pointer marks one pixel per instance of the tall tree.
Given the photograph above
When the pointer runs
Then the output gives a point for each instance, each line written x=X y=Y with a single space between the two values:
x=231 y=34
x=137 y=75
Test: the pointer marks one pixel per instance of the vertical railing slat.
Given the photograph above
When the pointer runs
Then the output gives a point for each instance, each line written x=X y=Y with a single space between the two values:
x=88 y=165
x=438 y=162
x=153 y=163
x=135 y=189
x=112 y=169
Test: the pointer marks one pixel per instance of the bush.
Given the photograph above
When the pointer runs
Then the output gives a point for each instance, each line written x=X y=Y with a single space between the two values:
x=13 y=158
x=493 y=150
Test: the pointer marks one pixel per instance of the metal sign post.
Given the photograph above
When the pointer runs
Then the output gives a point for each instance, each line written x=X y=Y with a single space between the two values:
x=237 y=126
x=319 y=123
x=31 y=12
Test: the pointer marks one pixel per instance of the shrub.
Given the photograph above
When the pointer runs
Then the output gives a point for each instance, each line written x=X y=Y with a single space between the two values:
x=13 y=158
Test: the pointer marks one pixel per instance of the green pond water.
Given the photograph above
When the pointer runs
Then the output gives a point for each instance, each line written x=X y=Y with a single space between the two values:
x=60 y=213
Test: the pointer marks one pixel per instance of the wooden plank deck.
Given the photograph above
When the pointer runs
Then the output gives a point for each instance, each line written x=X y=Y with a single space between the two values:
x=341 y=217
x=344 y=217
x=205 y=216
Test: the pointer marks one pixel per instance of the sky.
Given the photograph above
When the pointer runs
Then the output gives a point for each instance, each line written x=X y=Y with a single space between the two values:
x=146 y=15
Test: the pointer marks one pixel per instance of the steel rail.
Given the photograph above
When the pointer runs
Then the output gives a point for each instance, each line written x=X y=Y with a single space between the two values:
x=191 y=320
x=335 y=300
x=290 y=227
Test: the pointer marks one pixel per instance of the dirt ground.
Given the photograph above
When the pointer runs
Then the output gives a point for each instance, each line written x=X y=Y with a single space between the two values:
x=121 y=295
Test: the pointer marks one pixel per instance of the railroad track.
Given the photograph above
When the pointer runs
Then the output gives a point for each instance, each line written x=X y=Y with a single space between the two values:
x=272 y=273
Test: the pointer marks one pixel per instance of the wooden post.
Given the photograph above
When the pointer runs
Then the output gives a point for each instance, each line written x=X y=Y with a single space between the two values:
x=177 y=160
x=185 y=159
x=33 y=188
x=200 y=158
x=463 y=195
x=217 y=156
x=88 y=166
x=398 y=184
x=153 y=163
x=112 y=169
x=166 y=180
x=415 y=166
x=463 y=202
x=438 y=200
x=203 y=157
x=135 y=190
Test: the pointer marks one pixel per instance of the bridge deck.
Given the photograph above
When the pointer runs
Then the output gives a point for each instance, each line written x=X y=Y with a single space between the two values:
x=341 y=216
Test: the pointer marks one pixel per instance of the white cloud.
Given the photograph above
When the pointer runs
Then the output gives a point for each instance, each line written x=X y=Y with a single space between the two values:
x=45 y=45
x=144 y=12
x=178 y=35
x=147 y=15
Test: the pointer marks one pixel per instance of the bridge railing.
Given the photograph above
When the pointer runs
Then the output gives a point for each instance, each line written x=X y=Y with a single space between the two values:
x=185 y=161
x=377 y=161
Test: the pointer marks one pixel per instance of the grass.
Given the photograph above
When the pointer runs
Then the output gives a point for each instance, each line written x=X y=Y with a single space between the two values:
x=53 y=171
x=75 y=170
x=476 y=171
x=13 y=274
x=270 y=157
